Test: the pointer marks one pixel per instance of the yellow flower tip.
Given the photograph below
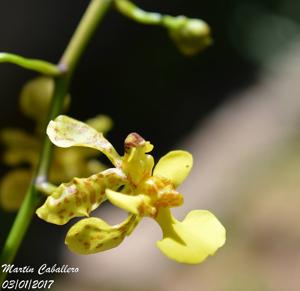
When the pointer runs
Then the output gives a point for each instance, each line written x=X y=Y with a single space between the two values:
x=43 y=213
x=134 y=140
x=67 y=132
x=76 y=198
x=174 y=166
x=58 y=214
x=138 y=205
x=199 y=235
x=93 y=235
x=137 y=164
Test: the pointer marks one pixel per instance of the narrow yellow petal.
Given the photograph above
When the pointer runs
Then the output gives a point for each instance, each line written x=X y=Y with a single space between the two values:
x=79 y=197
x=194 y=239
x=67 y=132
x=138 y=204
x=174 y=166
x=137 y=164
x=93 y=235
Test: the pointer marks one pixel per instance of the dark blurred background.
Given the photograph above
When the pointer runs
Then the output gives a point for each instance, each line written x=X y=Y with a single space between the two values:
x=136 y=75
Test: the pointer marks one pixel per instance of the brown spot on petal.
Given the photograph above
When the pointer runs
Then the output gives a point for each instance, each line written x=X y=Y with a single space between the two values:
x=123 y=228
x=61 y=211
x=87 y=244
x=97 y=237
x=78 y=201
x=99 y=246
x=93 y=197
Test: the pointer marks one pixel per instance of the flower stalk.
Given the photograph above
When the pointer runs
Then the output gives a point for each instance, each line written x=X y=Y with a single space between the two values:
x=190 y=35
x=39 y=66
x=79 y=41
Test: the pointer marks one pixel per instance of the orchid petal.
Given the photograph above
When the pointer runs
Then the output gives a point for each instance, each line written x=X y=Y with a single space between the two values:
x=137 y=204
x=67 y=132
x=93 y=235
x=174 y=166
x=79 y=197
x=137 y=164
x=193 y=240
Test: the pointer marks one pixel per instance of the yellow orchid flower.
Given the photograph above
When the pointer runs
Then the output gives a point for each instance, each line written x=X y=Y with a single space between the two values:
x=22 y=148
x=137 y=187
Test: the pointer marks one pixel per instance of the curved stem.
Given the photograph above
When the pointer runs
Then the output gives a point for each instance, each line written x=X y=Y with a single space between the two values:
x=69 y=60
x=130 y=10
x=39 y=66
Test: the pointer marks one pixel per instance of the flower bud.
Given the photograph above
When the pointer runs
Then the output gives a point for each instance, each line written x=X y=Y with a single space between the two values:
x=190 y=35
x=36 y=96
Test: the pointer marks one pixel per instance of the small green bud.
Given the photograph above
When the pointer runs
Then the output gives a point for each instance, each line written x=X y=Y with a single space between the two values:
x=190 y=35
x=36 y=96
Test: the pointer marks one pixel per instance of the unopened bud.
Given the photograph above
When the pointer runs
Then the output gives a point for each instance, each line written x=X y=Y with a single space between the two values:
x=190 y=35
x=36 y=96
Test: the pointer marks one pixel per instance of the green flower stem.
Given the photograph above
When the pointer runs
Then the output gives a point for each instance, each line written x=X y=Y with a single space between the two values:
x=132 y=11
x=139 y=15
x=69 y=60
x=191 y=35
x=39 y=66
x=84 y=32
